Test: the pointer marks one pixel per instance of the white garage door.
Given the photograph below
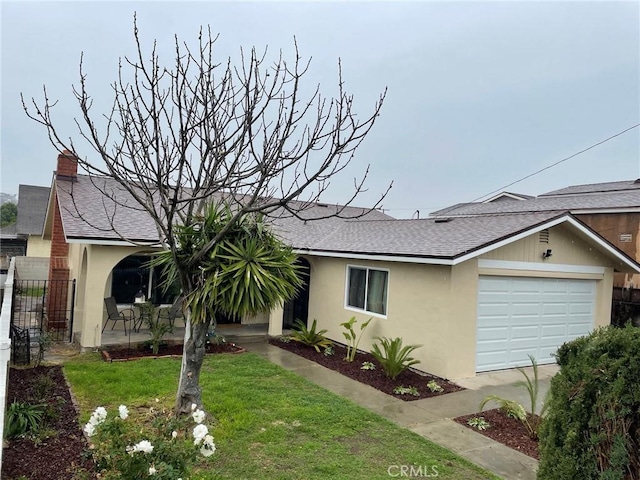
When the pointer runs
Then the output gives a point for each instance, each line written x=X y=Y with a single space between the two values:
x=521 y=316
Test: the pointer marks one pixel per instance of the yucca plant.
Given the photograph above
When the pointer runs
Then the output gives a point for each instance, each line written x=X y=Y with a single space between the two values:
x=395 y=358
x=309 y=336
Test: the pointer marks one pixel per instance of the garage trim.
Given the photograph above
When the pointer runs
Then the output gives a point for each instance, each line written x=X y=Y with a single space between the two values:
x=541 y=267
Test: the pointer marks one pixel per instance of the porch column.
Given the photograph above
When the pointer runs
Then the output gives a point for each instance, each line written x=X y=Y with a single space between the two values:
x=275 y=321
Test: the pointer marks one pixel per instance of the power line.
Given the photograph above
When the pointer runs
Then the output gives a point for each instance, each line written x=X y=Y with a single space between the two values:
x=559 y=162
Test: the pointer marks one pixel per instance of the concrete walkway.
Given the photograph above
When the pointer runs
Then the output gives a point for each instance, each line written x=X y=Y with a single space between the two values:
x=431 y=418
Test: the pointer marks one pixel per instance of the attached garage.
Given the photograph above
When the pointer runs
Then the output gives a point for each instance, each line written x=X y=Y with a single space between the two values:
x=521 y=316
x=476 y=293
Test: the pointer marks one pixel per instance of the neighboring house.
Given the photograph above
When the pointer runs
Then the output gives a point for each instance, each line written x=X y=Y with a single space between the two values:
x=478 y=292
x=10 y=246
x=611 y=209
x=32 y=208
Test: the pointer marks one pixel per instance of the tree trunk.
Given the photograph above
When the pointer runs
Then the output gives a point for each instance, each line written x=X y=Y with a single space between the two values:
x=189 y=391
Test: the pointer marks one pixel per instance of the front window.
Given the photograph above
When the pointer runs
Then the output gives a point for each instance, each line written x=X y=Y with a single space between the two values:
x=367 y=289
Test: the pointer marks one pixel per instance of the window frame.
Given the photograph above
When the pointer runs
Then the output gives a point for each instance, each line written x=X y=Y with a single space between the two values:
x=347 y=285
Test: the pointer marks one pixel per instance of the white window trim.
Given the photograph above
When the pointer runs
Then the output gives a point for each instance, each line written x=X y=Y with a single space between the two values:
x=346 y=290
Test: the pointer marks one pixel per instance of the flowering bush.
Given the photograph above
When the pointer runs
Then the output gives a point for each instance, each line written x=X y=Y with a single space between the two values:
x=158 y=445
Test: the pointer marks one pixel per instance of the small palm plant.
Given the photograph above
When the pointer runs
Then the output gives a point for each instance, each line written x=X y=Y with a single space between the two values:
x=513 y=409
x=395 y=358
x=352 y=337
x=309 y=336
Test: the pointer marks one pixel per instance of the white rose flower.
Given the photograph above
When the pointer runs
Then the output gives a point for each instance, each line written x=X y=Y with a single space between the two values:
x=101 y=413
x=174 y=434
x=152 y=470
x=198 y=416
x=89 y=429
x=123 y=411
x=199 y=433
x=143 y=446
x=208 y=447
x=193 y=406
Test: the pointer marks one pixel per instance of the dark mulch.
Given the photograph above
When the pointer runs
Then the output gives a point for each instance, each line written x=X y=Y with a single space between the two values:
x=508 y=431
x=374 y=378
x=59 y=454
x=141 y=351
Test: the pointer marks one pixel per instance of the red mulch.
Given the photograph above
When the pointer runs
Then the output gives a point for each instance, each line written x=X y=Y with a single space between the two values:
x=508 y=431
x=62 y=454
x=374 y=378
x=142 y=351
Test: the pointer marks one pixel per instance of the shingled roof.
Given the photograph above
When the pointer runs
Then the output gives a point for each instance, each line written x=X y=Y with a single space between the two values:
x=596 y=188
x=32 y=208
x=358 y=232
x=430 y=237
x=627 y=200
x=88 y=214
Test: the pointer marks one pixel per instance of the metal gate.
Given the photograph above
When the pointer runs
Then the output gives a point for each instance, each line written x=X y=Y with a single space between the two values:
x=42 y=307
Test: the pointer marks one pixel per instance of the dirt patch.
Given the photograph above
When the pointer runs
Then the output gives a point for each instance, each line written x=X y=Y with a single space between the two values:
x=506 y=430
x=374 y=378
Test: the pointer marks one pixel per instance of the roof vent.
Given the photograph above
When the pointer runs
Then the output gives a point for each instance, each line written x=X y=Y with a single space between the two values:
x=443 y=219
x=544 y=236
x=322 y=205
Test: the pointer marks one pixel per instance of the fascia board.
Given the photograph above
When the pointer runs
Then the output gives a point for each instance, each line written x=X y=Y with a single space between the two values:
x=378 y=258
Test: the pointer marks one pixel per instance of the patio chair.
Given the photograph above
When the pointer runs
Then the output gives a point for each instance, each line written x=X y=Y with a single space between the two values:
x=126 y=315
x=171 y=313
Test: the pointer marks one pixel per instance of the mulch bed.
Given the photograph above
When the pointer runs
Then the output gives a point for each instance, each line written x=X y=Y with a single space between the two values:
x=144 y=351
x=508 y=431
x=374 y=378
x=61 y=454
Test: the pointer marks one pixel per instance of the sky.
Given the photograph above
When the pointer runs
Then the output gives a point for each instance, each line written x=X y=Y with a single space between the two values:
x=480 y=94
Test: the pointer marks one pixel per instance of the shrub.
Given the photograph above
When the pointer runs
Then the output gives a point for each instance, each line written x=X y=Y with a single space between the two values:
x=592 y=429
x=395 y=358
x=156 y=445
x=22 y=418
x=353 y=339
x=309 y=336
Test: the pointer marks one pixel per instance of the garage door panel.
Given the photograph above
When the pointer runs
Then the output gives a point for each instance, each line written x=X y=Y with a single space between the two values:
x=495 y=334
x=577 y=329
x=524 y=332
x=519 y=316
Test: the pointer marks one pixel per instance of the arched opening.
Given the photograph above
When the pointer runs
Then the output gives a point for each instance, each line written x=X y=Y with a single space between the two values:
x=133 y=275
x=298 y=308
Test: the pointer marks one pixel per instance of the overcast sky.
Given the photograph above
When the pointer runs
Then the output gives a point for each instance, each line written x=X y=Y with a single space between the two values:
x=479 y=94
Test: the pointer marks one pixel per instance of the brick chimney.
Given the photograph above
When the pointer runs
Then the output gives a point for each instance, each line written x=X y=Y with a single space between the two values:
x=67 y=165
x=58 y=285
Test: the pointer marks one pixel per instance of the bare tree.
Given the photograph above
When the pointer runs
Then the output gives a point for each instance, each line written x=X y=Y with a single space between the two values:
x=177 y=135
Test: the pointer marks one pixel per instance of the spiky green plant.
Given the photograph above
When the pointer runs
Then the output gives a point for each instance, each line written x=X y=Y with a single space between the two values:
x=309 y=336
x=394 y=357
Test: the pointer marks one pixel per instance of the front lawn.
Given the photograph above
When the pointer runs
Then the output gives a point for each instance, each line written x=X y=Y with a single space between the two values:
x=271 y=423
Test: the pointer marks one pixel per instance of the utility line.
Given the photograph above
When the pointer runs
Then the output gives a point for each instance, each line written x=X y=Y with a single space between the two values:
x=559 y=162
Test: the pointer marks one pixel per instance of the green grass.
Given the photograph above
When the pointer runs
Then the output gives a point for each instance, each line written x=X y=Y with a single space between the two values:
x=271 y=424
